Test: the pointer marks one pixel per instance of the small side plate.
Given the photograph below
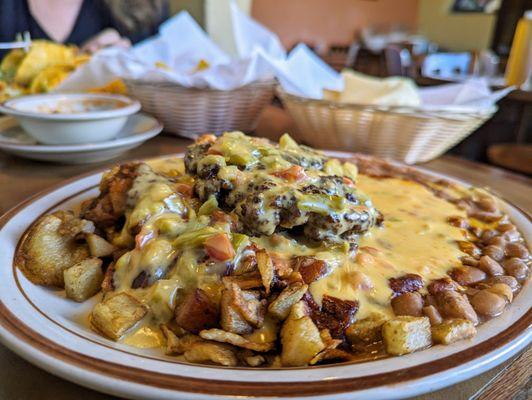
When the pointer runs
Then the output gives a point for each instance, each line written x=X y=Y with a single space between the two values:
x=139 y=128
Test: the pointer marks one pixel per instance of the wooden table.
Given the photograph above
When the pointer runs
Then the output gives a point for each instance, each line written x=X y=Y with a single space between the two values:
x=21 y=178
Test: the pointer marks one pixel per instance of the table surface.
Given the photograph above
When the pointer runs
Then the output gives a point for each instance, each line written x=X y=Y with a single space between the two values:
x=20 y=179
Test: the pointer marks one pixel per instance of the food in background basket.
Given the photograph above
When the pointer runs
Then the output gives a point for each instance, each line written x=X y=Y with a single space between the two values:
x=250 y=253
x=39 y=70
x=368 y=90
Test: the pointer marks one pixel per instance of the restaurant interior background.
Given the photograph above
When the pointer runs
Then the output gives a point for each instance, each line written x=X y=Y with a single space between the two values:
x=340 y=32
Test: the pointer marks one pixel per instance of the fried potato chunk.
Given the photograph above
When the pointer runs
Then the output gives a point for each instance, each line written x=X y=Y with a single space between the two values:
x=406 y=334
x=280 y=307
x=453 y=330
x=196 y=312
x=240 y=309
x=300 y=338
x=366 y=330
x=249 y=306
x=218 y=353
x=47 y=251
x=84 y=279
x=266 y=269
x=98 y=246
x=116 y=314
x=330 y=354
x=219 y=335
x=175 y=344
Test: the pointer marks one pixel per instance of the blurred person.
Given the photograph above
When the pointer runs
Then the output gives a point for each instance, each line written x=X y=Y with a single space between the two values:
x=90 y=24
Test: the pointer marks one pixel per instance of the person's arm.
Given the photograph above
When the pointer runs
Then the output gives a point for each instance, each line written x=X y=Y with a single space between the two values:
x=106 y=38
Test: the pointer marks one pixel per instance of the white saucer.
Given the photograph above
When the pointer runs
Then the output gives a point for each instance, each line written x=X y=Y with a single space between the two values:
x=139 y=128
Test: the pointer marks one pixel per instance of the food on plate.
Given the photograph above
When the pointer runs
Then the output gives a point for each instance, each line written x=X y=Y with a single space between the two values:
x=44 y=66
x=250 y=253
x=83 y=280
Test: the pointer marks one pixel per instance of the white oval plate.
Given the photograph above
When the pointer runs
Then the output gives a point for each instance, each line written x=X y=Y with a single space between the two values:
x=43 y=327
x=139 y=128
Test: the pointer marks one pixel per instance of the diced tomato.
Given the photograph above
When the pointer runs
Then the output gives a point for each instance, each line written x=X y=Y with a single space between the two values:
x=294 y=173
x=348 y=181
x=185 y=189
x=206 y=138
x=219 y=247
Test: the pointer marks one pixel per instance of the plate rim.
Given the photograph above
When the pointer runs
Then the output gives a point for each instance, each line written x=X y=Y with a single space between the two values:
x=508 y=342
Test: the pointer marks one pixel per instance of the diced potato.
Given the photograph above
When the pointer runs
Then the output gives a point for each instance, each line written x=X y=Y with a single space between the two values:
x=196 y=312
x=366 y=330
x=300 y=339
x=46 y=253
x=266 y=269
x=230 y=318
x=217 y=353
x=74 y=226
x=98 y=246
x=116 y=314
x=280 y=307
x=178 y=345
x=84 y=279
x=405 y=334
x=248 y=304
x=219 y=335
x=453 y=330
x=330 y=354
x=254 y=360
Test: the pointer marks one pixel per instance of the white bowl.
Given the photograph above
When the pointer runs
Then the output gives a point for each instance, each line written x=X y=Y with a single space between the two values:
x=71 y=118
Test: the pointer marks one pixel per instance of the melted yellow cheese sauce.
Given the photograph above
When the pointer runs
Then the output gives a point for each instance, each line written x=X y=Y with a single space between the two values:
x=415 y=238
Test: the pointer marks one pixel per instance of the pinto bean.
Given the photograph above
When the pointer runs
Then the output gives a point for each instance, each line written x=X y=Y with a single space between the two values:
x=487 y=204
x=410 y=303
x=488 y=234
x=466 y=276
x=488 y=303
x=439 y=285
x=516 y=250
x=490 y=266
x=485 y=216
x=452 y=304
x=505 y=227
x=468 y=260
x=502 y=290
x=433 y=314
x=507 y=280
x=495 y=252
x=469 y=248
x=498 y=241
x=516 y=268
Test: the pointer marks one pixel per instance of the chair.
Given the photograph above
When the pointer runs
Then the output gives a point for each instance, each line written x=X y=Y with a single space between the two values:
x=352 y=54
x=446 y=65
x=398 y=61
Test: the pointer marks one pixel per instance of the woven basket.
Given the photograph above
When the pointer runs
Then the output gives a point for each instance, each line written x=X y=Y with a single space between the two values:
x=407 y=134
x=190 y=112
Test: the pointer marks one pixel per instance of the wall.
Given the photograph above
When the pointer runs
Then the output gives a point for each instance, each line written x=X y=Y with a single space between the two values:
x=454 y=31
x=325 y=22
x=218 y=21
